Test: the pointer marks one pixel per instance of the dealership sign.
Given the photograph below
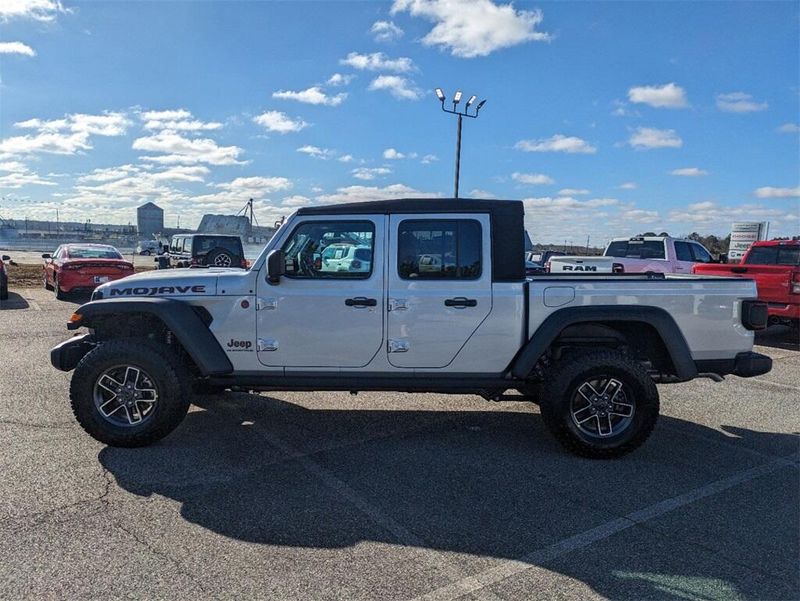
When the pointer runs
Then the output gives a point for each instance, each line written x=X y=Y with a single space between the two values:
x=743 y=234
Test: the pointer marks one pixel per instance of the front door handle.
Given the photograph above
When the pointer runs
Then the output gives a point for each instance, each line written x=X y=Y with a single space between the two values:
x=460 y=302
x=361 y=301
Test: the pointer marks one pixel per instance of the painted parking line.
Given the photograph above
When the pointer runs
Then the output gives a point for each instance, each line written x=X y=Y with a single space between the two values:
x=478 y=582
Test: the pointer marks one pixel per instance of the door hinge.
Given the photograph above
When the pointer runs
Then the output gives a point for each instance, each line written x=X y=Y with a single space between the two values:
x=264 y=304
x=397 y=304
x=397 y=346
x=267 y=344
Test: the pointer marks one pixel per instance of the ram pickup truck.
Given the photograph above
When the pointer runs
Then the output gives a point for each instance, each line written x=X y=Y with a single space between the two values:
x=444 y=306
x=648 y=254
x=775 y=267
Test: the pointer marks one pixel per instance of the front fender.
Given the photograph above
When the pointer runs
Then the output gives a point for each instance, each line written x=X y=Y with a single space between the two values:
x=179 y=317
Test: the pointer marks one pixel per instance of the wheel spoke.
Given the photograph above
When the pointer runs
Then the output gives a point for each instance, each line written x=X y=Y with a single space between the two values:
x=111 y=387
x=622 y=409
x=607 y=422
x=587 y=394
x=132 y=375
x=612 y=388
x=117 y=408
x=147 y=395
x=587 y=414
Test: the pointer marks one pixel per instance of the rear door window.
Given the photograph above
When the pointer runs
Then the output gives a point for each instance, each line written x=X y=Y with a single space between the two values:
x=700 y=254
x=636 y=249
x=774 y=255
x=439 y=249
x=682 y=251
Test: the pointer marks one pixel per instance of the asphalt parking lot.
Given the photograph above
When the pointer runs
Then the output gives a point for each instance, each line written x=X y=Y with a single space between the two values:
x=393 y=496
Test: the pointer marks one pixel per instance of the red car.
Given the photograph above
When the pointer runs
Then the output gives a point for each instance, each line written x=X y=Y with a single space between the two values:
x=775 y=267
x=83 y=267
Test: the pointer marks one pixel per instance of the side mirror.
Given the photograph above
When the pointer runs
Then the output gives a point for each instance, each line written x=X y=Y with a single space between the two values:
x=46 y=256
x=5 y=258
x=276 y=266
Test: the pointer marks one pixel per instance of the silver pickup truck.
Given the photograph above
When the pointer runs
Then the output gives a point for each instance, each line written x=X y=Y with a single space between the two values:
x=413 y=296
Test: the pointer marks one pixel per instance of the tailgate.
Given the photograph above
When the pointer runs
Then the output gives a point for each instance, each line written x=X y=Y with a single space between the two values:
x=581 y=264
x=773 y=281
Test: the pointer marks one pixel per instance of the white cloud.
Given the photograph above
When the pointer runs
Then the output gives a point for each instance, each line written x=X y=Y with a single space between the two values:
x=393 y=155
x=175 y=148
x=13 y=166
x=107 y=124
x=385 y=31
x=337 y=79
x=370 y=173
x=14 y=181
x=670 y=96
x=279 y=122
x=557 y=143
x=573 y=192
x=739 y=102
x=182 y=173
x=532 y=178
x=296 y=201
x=16 y=48
x=346 y=158
x=378 y=61
x=640 y=216
x=470 y=28
x=649 y=137
x=789 y=128
x=255 y=186
x=364 y=193
x=428 y=159
x=399 y=87
x=316 y=151
x=689 y=172
x=107 y=174
x=772 y=192
x=711 y=217
x=36 y=10
x=313 y=95
x=478 y=193
x=176 y=120
x=628 y=186
x=51 y=143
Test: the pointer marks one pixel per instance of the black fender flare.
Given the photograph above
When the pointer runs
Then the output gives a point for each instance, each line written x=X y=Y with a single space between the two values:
x=179 y=317
x=551 y=327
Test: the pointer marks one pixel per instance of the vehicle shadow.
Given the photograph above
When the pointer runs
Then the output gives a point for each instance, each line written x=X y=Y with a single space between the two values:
x=780 y=337
x=14 y=301
x=481 y=483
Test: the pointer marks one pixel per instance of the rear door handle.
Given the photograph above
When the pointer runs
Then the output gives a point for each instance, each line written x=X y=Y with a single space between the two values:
x=460 y=302
x=361 y=301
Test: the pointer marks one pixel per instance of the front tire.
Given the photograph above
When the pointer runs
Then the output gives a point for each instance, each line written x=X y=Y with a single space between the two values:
x=129 y=393
x=60 y=294
x=600 y=405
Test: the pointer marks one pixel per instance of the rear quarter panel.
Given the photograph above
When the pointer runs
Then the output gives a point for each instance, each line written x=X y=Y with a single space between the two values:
x=706 y=310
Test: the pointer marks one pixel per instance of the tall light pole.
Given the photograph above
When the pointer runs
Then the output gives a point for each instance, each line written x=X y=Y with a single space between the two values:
x=465 y=113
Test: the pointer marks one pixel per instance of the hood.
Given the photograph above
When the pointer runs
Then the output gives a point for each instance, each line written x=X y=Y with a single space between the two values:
x=166 y=282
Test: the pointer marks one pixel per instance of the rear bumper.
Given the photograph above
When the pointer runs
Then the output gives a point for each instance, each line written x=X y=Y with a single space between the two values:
x=68 y=354
x=784 y=310
x=76 y=281
x=744 y=365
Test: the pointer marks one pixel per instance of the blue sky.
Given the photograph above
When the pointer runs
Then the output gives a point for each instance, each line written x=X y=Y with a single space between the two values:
x=606 y=118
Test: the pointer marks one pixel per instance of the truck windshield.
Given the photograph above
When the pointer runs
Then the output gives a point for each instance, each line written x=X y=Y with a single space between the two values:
x=774 y=255
x=636 y=249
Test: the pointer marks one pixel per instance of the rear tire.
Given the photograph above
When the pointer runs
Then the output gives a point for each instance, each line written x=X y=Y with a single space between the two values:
x=107 y=408
x=3 y=287
x=60 y=294
x=220 y=257
x=600 y=405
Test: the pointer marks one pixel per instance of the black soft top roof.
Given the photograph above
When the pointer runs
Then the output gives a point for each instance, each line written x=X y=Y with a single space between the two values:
x=417 y=205
x=507 y=218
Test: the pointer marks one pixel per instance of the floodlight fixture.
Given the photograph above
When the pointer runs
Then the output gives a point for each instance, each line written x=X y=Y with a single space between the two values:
x=470 y=101
x=440 y=94
x=457 y=97
x=480 y=104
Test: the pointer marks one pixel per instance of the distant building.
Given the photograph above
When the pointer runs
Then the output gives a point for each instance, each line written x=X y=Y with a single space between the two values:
x=225 y=224
x=149 y=219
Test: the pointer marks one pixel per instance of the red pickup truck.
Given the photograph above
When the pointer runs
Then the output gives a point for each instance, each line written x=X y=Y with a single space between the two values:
x=775 y=267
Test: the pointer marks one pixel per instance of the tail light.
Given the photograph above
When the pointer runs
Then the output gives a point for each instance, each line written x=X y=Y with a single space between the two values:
x=617 y=268
x=796 y=282
x=125 y=267
x=547 y=267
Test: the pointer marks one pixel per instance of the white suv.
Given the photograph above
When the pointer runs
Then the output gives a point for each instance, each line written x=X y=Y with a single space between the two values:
x=346 y=257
